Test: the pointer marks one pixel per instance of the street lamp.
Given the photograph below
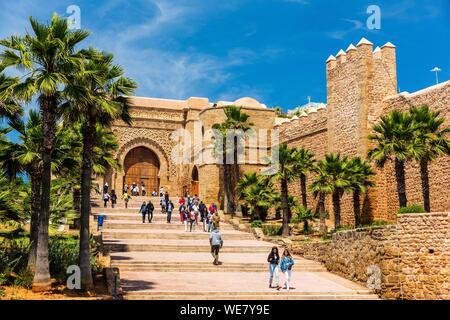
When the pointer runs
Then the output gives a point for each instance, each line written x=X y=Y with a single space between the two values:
x=436 y=70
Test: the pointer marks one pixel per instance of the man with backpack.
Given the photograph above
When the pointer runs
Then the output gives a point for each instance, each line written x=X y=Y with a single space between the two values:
x=216 y=242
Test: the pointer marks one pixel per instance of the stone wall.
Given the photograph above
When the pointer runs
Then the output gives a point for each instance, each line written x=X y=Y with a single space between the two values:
x=413 y=256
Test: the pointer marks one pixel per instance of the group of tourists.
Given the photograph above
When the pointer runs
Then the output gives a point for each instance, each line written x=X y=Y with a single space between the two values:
x=135 y=190
x=193 y=210
x=109 y=196
x=286 y=262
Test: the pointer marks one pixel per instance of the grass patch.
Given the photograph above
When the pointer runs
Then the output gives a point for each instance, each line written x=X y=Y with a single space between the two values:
x=414 y=208
x=257 y=224
x=272 y=230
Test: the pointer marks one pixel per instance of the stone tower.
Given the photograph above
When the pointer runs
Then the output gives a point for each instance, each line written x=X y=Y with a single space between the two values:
x=358 y=79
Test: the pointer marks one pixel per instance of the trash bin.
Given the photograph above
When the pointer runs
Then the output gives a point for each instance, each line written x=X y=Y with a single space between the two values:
x=100 y=220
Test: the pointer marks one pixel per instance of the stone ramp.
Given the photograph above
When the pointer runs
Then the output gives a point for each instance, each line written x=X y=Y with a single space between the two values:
x=161 y=261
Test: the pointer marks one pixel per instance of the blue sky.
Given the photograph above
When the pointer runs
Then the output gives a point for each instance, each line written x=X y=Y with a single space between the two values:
x=272 y=50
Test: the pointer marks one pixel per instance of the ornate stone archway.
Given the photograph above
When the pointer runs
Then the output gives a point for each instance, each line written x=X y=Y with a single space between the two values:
x=164 y=163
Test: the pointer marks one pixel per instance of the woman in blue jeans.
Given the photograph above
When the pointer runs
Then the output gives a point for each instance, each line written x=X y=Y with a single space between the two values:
x=274 y=260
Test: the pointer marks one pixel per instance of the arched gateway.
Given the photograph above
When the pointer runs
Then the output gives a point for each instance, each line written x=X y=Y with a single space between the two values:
x=142 y=165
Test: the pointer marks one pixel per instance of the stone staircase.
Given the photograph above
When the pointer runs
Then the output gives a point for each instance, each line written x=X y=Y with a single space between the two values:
x=162 y=261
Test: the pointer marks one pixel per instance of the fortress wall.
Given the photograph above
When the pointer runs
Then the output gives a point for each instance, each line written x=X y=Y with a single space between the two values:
x=308 y=132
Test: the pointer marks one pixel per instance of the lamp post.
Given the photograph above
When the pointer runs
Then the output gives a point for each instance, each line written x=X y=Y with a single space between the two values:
x=436 y=70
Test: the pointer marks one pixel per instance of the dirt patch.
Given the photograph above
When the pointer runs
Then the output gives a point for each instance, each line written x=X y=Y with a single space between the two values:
x=58 y=292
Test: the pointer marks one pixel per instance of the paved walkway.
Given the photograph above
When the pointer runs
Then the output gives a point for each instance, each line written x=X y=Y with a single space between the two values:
x=162 y=261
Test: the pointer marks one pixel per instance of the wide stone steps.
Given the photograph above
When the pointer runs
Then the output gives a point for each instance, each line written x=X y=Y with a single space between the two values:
x=143 y=247
x=137 y=217
x=146 y=266
x=162 y=261
x=244 y=296
x=150 y=227
x=121 y=234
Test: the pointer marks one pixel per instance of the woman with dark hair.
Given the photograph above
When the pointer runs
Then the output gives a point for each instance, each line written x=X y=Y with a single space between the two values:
x=286 y=265
x=274 y=260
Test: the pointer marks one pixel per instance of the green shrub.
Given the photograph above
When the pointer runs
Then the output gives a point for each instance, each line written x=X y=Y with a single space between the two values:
x=272 y=230
x=413 y=208
x=256 y=224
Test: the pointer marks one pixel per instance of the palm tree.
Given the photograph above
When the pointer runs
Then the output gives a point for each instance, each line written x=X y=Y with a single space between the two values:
x=433 y=139
x=221 y=150
x=97 y=95
x=360 y=175
x=48 y=55
x=304 y=215
x=333 y=178
x=256 y=192
x=25 y=157
x=395 y=138
x=320 y=189
x=286 y=173
x=237 y=122
x=304 y=165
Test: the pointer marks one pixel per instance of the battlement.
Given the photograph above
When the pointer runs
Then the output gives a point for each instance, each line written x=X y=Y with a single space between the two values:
x=362 y=51
x=306 y=124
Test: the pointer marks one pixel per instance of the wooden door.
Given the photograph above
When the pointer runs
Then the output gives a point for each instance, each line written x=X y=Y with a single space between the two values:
x=142 y=165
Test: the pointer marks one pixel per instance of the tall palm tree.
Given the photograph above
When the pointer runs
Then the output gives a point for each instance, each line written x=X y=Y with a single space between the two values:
x=48 y=55
x=432 y=136
x=237 y=122
x=97 y=95
x=25 y=156
x=221 y=150
x=333 y=178
x=304 y=165
x=360 y=175
x=396 y=141
x=286 y=173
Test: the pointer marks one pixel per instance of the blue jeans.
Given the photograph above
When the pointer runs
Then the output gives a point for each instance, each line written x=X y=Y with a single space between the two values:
x=273 y=270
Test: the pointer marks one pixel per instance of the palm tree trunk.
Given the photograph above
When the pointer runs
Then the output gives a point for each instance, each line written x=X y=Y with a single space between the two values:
x=401 y=182
x=337 y=209
x=356 y=207
x=323 y=226
x=41 y=280
x=425 y=185
x=303 y=190
x=35 y=179
x=237 y=205
x=285 y=206
x=228 y=201
x=86 y=175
